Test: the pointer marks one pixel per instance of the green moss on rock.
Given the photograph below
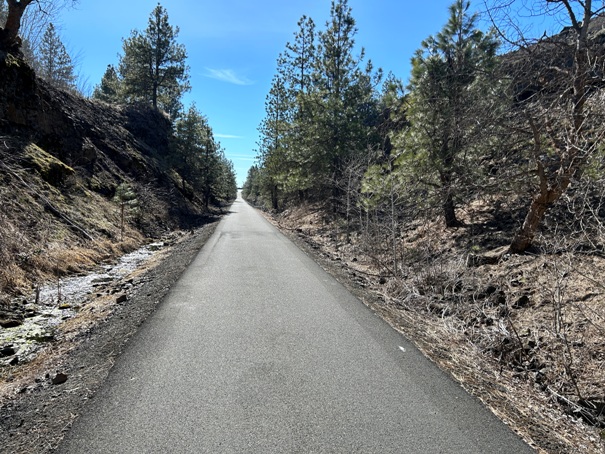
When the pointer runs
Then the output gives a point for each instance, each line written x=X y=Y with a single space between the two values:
x=52 y=170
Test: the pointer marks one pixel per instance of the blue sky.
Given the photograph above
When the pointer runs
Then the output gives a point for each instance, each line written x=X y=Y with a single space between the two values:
x=233 y=45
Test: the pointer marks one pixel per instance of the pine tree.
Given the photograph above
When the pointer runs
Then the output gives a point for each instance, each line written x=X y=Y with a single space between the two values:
x=273 y=143
x=55 y=63
x=110 y=88
x=251 y=190
x=345 y=96
x=190 y=132
x=335 y=63
x=296 y=68
x=153 y=67
x=299 y=57
x=226 y=187
x=125 y=197
x=320 y=112
x=200 y=160
x=446 y=85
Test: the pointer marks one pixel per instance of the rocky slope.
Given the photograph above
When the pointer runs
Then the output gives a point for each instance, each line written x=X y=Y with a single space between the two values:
x=62 y=158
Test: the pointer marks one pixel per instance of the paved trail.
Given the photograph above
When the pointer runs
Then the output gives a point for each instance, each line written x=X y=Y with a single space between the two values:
x=258 y=350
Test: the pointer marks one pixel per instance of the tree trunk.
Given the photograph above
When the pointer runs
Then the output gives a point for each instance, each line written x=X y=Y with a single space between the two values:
x=541 y=202
x=449 y=207
x=449 y=211
x=525 y=236
x=274 y=199
x=9 y=35
x=154 y=95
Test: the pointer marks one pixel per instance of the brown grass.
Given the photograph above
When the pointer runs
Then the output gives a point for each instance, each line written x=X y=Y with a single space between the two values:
x=29 y=265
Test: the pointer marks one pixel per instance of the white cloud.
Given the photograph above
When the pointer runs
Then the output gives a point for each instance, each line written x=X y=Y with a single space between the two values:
x=227 y=75
x=241 y=157
x=227 y=136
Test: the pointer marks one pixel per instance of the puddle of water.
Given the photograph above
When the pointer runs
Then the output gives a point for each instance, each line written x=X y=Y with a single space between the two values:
x=60 y=301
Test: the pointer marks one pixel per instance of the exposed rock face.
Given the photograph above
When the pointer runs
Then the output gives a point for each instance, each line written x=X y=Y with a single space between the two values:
x=62 y=158
x=67 y=137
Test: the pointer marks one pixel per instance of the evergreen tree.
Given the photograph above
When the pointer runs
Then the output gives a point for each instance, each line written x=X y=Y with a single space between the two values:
x=226 y=187
x=200 y=160
x=273 y=143
x=299 y=57
x=125 y=197
x=55 y=63
x=211 y=169
x=320 y=112
x=190 y=132
x=153 y=67
x=251 y=190
x=296 y=68
x=345 y=98
x=110 y=88
x=449 y=73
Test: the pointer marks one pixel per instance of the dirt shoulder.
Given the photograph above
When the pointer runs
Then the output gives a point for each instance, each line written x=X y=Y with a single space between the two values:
x=40 y=400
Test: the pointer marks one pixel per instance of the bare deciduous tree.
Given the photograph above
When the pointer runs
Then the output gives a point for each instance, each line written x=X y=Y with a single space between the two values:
x=554 y=80
x=20 y=22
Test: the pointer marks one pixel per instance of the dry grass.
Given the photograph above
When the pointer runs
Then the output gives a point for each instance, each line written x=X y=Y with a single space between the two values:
x=25 y=269
x=36 y=248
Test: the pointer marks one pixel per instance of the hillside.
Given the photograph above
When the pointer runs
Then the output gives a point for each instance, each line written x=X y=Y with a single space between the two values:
x=62 y=159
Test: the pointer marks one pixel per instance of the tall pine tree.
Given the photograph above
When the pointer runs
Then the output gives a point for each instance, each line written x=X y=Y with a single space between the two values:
x=273 y=146
x=448 y=80
x=345 y=96
x=296 y=68
x=55 y=64
x=153 y=67
x=110 y=88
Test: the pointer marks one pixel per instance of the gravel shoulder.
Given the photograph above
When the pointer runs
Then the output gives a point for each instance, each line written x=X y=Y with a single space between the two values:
x=40 y=400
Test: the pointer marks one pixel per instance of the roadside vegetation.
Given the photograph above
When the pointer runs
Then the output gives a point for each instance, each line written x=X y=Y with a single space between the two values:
x=469 y=200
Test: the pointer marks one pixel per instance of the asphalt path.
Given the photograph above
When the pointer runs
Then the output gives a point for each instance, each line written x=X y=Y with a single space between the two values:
x=257 y=350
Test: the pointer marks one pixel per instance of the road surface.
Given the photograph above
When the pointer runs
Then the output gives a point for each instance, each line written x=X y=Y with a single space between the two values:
x=257 y=350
